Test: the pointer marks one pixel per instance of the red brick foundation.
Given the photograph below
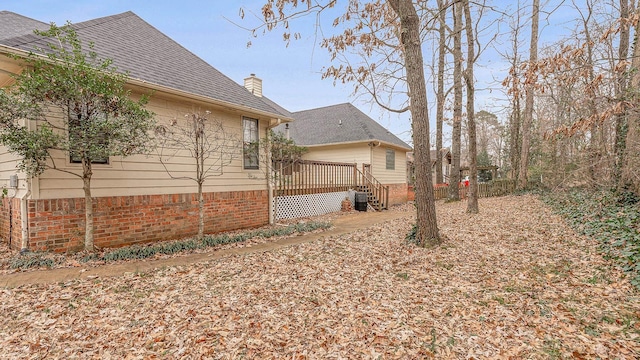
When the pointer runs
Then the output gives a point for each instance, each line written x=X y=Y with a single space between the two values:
x=411 y=193
x=397 y=193
x=58 y=224
x=10 y=222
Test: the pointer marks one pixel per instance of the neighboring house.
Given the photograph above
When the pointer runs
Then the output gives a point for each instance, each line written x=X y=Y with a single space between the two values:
x=446 y=165
x=135 y=199
x=342 y=133
x=445 y=154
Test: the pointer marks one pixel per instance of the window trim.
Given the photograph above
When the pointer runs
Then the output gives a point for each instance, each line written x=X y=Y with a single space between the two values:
x=390 y=162
x=106 y=161
x=70 y=158
x=246 y=143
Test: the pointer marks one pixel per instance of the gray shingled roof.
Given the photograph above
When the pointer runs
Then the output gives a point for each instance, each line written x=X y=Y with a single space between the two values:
x=12 y=25
x=342 y=123
x=147 y=54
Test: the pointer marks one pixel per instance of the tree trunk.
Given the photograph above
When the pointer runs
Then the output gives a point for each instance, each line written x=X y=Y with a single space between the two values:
x=529 y=92
x=442 y=11
x=200 y=212
x=88 y=205
x=621 y=90
x=514 y=137
x=427 y=226
x=596 y=141
x=631 y=162
x=456 y=132
x=472 y=202
x=198 y=125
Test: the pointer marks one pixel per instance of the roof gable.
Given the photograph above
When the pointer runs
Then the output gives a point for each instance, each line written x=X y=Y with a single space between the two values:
x=336 y=124
x=149 y=55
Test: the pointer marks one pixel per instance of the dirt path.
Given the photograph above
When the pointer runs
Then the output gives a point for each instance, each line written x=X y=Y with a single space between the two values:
x=342 y=225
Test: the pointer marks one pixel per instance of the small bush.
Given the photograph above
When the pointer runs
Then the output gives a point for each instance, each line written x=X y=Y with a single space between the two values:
x=30 y=260
x=143 y=252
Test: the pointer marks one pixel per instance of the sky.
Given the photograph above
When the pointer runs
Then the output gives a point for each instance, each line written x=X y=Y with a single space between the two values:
x=291 y=74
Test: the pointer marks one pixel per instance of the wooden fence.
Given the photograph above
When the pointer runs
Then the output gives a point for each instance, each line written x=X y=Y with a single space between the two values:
x=493 y=188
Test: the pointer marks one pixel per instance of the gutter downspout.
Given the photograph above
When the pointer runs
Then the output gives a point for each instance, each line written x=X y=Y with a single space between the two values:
x=272 y=206
x=24 y=213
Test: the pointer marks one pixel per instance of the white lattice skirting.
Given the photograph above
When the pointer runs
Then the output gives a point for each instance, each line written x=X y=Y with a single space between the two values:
x=297 y=206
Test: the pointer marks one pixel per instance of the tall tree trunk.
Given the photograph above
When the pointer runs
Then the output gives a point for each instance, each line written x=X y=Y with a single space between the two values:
x=596 y=141
x=472 y=202
x=621 y=90
x=442 y=11
x=515 y=141
x=88 y=205
x=529 y=92
x=427 y=234
x=631 y=163
x=456 y=132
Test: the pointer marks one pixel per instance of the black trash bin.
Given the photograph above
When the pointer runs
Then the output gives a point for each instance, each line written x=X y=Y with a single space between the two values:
x=361 y=201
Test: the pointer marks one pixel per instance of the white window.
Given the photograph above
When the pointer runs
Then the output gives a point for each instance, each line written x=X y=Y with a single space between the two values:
x=78 y=136
x=251 y=143
x=391 y=159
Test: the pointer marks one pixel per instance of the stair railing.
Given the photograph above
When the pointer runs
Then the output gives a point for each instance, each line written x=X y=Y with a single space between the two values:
x=378 y=191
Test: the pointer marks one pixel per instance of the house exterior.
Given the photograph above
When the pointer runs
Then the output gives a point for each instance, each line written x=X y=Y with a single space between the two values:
x=342 y=133
x=135 y=200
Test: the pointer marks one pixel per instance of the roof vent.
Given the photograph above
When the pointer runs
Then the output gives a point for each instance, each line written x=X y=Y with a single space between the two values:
x=254 y=85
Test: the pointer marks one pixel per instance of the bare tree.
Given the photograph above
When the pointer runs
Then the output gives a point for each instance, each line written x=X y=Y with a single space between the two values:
x=207 y=142
x=427 y=233
x=620 y=92
x=456 y=132
x=385 y=37
x=631 y=163
x=472 y=202
x=513 y=86
x=440 y=95
x=529 y=97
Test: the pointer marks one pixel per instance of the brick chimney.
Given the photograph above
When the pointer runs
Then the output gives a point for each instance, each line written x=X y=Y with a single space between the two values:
x=254 y=85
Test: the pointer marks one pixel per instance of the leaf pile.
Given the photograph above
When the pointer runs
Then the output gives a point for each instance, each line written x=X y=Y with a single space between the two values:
x=511 y=282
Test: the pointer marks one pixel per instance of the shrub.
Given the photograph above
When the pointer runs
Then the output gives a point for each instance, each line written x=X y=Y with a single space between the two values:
x=30 y=260
x=143 y=252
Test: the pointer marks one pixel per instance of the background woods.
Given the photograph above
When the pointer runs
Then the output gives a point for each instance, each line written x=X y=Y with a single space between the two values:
x=563 y=115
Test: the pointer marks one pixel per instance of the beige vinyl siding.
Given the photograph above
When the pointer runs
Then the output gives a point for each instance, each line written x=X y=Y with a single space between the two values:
x=362 y=153
x=379 y=168
x=145 y=175
x=9 y=166
x=351 y=153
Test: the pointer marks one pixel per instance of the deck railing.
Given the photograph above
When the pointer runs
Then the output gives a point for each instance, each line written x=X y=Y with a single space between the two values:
x=303 y=177
x=309 y=177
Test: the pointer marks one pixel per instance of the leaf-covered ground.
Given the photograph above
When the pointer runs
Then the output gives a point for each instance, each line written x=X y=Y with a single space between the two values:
x=512 y=282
